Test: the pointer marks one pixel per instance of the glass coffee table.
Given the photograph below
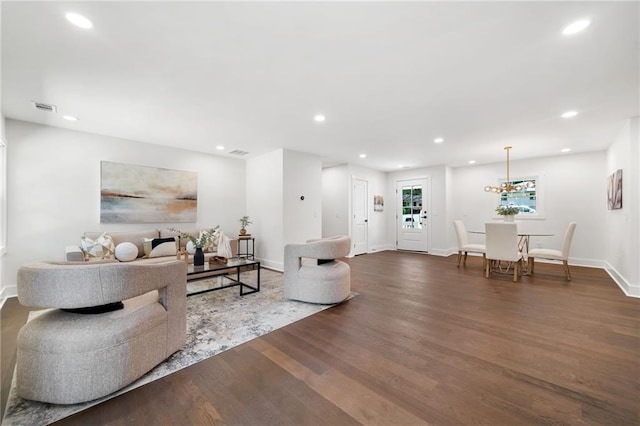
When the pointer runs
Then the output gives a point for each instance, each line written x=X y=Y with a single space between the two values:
x=221 y=275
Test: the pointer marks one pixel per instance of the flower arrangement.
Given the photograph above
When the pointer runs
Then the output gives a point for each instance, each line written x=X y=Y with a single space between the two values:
x=204 y=237
x=507 y=210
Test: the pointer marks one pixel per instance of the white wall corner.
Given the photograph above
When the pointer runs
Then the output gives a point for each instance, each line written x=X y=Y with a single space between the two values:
x=631 y=290
x=7 y=292
x=272 y=264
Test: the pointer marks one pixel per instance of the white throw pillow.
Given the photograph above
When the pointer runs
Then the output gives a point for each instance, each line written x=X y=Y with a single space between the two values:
x=191 y=248
x=101 y=248
x=126 y=252
x=158 y=247
x=224 y=246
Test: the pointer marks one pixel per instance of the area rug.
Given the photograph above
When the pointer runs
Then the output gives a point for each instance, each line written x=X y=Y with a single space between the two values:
x=216 y=321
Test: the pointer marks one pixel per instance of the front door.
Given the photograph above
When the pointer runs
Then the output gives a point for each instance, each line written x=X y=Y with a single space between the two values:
x=412 y=215
x=360 y=224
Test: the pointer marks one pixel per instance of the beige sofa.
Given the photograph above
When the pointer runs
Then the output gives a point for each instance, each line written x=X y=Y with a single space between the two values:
x=74 y=253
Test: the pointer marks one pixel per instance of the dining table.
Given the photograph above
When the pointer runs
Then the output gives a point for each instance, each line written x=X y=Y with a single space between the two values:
x=523 y=243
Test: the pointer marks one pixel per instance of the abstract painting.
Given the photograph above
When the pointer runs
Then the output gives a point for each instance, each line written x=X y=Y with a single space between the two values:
x=614 y=190
x=141 y=194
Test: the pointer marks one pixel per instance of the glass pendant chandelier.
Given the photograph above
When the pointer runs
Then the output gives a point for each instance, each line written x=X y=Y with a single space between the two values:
x=508 y=186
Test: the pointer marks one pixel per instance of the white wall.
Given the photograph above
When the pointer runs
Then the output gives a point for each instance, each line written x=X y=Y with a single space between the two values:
x=569 y=188
x=275 y=183
x=335 y=201
x=3 y=189
x=3 y=205
x=302 y=178
x=376 y=185
x=436 y=204
x=623 y=225
x=265 y=206
x=337 y=208
x=53 y=188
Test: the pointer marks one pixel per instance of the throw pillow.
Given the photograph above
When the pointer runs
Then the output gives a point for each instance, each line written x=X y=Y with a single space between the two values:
x=101 y=248
x=211 y=246
x=191 y=248
x=126 y=252
x=158 y=247
x=101 y=309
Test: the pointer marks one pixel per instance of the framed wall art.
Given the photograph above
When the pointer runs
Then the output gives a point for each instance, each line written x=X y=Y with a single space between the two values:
x=614 y=190
x=141 y=194
x=378 y=203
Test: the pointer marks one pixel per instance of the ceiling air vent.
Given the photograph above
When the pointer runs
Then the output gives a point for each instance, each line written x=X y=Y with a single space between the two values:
x=44 y=107
x=238 y=152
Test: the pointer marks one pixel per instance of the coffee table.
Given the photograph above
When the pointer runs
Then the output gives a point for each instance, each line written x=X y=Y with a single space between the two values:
x=224 y=273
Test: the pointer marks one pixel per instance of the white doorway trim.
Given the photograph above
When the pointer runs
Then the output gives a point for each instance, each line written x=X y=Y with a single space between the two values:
x=359 y=224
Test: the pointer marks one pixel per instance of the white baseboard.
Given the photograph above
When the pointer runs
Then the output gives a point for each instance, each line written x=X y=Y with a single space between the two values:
x=376 y=249
x=271 y=264
x=628 y=288
x=7 y=292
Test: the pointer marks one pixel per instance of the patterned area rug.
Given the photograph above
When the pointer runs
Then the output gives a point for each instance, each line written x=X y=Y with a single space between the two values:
x=216 y=321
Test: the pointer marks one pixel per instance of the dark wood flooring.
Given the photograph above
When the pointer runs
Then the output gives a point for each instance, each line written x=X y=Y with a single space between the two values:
x=423 y=343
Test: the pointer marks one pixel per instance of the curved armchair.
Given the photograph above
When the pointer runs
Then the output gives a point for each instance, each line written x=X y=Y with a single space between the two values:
x=67 y=357
x=463 y=243
x=502 y=244
x=311 y=273
x=561 y=255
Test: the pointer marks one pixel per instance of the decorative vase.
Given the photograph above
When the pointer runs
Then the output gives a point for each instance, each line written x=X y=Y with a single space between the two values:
x=198 y=257
x=243 y=231
x=509 y=218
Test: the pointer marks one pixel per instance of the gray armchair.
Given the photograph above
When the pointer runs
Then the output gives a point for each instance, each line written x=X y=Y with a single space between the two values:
x=312 y=273
x=67 y=357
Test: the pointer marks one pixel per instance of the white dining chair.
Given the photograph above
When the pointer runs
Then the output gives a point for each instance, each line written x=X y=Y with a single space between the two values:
x=560 y=255
x=502 y=245
x=463 y=243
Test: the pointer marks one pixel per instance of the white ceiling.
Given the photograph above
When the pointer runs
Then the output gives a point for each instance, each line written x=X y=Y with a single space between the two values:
x=389 y=76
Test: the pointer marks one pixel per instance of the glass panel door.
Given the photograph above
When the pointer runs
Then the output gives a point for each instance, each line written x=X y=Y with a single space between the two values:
x=411 y=206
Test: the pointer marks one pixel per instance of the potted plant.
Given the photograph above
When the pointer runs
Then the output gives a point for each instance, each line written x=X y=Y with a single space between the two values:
x=199 y=242
x=244 y=221
x=508 y=212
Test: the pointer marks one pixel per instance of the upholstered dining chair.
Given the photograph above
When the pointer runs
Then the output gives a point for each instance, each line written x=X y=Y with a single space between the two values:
x=463 y=243
x=502 y=244
x=560 y=255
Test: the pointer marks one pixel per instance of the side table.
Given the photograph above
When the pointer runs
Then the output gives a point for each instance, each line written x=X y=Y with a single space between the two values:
x=248 y=252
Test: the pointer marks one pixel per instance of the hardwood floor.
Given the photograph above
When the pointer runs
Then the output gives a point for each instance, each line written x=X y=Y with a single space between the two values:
x=423 y=343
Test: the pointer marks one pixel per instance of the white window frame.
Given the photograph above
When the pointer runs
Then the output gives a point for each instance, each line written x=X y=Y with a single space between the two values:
x=539 y=204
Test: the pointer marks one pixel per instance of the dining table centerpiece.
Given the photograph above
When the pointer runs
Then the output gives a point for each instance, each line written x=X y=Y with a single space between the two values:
x=508 y=212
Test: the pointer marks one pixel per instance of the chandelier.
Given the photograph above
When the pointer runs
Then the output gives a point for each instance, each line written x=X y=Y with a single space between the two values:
x=508 y=186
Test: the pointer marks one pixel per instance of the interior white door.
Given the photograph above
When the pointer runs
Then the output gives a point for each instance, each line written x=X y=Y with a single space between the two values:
x=360 y=223
x=412 y=214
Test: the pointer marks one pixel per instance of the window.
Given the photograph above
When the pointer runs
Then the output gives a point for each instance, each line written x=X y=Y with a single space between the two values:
x=525 y=200
x=411 y=206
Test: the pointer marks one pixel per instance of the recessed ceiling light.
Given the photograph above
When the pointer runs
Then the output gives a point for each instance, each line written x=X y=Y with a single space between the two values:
x=79 y=20
x=569 y=114
x=472 y=161
x=220 y=148
x=319 y=118
x=576 y=27
x=70 y=117
x=565 y=150
x=438 y=140
x=363 y=155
